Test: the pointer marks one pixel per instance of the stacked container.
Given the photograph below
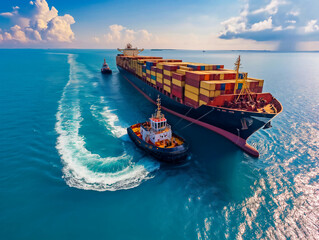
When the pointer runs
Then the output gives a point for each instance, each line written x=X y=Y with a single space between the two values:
x=193 y=84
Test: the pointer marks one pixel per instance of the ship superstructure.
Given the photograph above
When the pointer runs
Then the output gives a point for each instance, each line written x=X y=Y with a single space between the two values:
x=157 y=130
x=156 y=137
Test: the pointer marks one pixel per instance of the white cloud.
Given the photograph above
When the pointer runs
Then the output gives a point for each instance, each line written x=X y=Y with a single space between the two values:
x=290 y=27
x=294 y=13
x=7 y=36
x=236 y=24
x=10 y=14
x=17 y=34
x=96 y=39
x=146 y=35
x=44 y=25
x=59 y=29
x=311 y=26
x=271 y=8
x=7 y=14
x=279 y=28
x=263 y=25
x=115 y=33
x=291 y=21
x=121 y=35
x=279 y=20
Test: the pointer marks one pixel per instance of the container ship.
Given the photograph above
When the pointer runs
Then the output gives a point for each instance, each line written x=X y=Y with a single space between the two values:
x=225 y=101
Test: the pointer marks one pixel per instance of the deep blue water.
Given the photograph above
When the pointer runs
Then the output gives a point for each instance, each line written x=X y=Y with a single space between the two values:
x=69 y=171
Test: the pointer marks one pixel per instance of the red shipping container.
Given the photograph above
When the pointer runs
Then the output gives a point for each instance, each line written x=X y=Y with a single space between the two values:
x=229 y=92
x=260 y=89
x=194 y=76
x=178 y=88
x=205 y=98
x=159 y=70
x=190 y=102
x=177 y=93
x=178 y=76
x=254 y=84
x=216 y=76
x=168 y=77
x=159 y=84
x=192 y=82
x=170 y=67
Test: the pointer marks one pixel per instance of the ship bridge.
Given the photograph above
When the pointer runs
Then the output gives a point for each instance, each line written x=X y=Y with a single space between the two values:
x=130 y=51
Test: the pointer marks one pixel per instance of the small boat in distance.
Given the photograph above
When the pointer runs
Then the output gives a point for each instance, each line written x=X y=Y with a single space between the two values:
x=156 y=138
x=105 y=68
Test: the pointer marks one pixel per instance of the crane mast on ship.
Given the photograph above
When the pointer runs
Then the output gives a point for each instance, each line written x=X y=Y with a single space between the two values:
x=244 y=89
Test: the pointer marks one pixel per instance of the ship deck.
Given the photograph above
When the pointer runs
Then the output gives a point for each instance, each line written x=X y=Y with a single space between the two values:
x=175 y=141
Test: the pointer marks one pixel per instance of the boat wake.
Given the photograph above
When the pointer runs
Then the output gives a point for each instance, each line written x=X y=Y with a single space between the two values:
x=82 y=168
x=108 y=118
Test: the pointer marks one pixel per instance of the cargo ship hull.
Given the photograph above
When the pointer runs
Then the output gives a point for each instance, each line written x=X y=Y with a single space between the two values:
x=235 y=125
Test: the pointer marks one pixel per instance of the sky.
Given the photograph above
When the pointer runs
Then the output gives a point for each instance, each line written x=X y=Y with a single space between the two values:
x=284 y=25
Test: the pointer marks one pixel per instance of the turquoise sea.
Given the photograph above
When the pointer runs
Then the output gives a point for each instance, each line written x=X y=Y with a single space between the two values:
x=69 y=171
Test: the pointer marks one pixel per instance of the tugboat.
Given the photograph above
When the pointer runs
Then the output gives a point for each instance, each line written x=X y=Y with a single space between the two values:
x=105 y=68
x=156 y=138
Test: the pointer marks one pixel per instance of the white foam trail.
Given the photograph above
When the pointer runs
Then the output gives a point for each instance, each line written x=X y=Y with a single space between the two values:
x=82 y=169
x=109 y=120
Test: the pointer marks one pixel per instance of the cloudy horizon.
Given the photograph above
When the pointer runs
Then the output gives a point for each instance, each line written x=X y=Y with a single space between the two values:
x=284 y=25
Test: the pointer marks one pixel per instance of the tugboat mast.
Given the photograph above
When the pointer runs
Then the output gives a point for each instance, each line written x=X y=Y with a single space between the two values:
x=158 y=113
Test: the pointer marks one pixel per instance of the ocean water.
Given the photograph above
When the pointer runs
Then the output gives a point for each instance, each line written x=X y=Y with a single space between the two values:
x=69 y=171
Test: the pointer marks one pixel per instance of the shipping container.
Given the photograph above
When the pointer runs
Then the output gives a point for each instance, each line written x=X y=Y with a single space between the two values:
x=191 y=95
x=167 y=88
x=201 y=102
x=190 y=102
x=192 y=89
x=177 y=91
x=178 y=82
x=167 y=82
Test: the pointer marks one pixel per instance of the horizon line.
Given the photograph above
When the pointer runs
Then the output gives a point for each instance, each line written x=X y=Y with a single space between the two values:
x=160 y=49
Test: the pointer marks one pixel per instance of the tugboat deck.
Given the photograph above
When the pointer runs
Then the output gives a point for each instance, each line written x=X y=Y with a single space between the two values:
x=162 y=144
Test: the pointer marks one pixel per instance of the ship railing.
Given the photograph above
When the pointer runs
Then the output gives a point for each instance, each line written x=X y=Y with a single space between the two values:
x=167 y=127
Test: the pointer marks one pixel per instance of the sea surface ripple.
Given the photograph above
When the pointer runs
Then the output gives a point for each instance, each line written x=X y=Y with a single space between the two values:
x=68 y=170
